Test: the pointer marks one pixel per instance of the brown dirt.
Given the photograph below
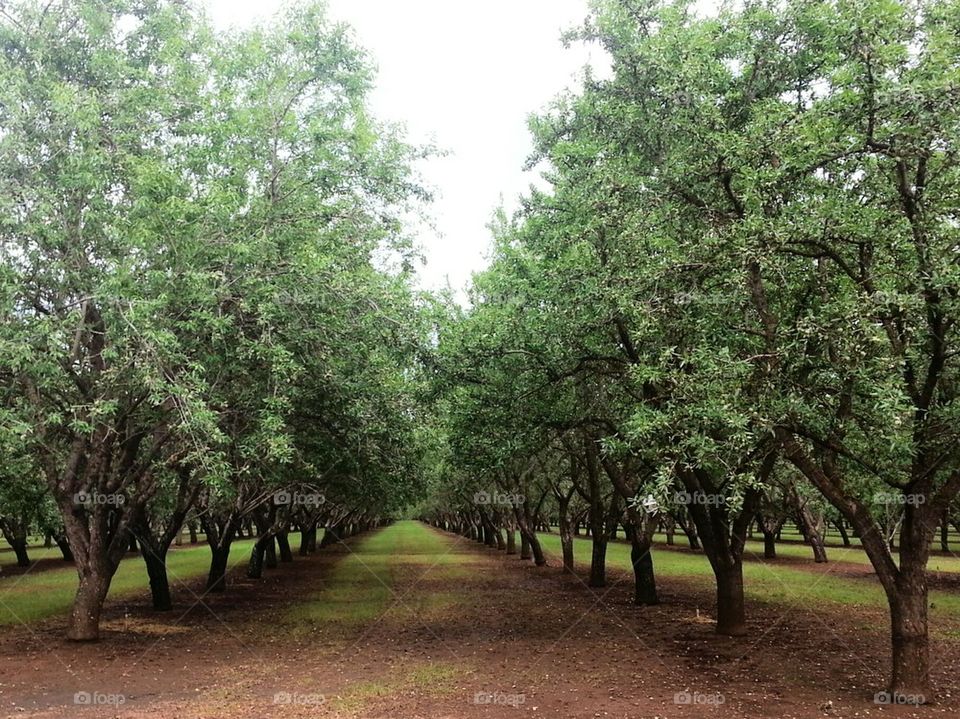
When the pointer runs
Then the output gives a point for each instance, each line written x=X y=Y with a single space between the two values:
x=530 y=636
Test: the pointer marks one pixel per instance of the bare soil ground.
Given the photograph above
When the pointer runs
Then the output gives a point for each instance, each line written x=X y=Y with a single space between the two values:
x=464 y=632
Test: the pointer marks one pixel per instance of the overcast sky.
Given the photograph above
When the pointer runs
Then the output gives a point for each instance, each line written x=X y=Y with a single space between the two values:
x=464 y=75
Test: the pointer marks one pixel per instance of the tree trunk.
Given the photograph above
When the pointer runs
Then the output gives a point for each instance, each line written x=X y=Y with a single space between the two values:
x=844 y=537
x=911 y=642
x=598 y=559
x=283 y=545
x=255 y=565
x=731 y=609
x=769 y=543
x=156 y=560
x=270 y=550
x=566 y=544
x=64 y=545
x=217 y=577
x=83 y=624
x=20 y=549
x=810 y=527
x=566 y=535
x=644 y=580
x=511 y=541
x=525 y=547
x=308 y=538
x=538 y=557
x=690 y=529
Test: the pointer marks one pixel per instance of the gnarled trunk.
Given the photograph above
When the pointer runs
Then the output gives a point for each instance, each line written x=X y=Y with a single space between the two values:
x=83 y=624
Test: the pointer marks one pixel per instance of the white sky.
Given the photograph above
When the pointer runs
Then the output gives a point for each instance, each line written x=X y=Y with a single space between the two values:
x=464 y=75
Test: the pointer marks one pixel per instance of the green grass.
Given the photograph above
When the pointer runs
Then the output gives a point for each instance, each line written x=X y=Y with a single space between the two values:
x=32 y=597
x=360 y=586
x=791 y=538
x=766 y=582
x=430 y=678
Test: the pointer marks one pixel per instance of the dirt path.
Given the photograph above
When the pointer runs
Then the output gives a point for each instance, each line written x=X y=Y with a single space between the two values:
x=409 y=622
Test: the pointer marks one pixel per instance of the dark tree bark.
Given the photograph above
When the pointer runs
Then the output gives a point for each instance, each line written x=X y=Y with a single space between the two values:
x=669 y=528
x=220 y=536
x=564 y=495
x=155 y=545
x=283 y=547
x=723 y=533
x=155 y=559
x=770 y=526
x=640 y=528
x=811 y=527
x=905 y=583
x=64 y=545
x=841 y=528
x=511 y=540
x=690 y=531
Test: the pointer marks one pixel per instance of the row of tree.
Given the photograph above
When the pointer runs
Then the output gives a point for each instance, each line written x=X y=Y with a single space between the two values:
x=740 y=294
x=206 y=287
